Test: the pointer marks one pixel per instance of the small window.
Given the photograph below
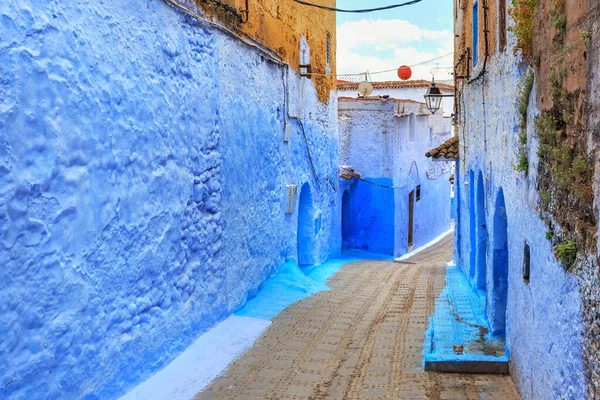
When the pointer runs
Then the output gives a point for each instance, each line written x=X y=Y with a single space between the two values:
x=411 y=127
x=475 y=31
x=430 y=136
x=318 y=224
x=328 y=51
x=501 y=25
x=526 y=263
x=418 y=192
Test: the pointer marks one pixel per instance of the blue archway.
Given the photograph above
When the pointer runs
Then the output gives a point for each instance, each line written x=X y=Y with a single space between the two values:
x=499 y=292
x=482 y=236
x=305 y=227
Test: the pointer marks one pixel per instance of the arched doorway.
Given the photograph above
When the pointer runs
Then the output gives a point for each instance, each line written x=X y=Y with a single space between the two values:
x=472 y=227
x=346 y=221
x=499 y=292
x=482 y=236
x=305 y=227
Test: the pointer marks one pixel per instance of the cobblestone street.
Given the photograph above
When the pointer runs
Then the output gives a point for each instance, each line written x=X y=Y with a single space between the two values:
x=362 y=339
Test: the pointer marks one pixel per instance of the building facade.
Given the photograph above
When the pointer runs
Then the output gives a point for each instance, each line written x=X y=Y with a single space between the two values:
x=400 y=199
x=411 y=90
x=526 y=116
x=146 y=152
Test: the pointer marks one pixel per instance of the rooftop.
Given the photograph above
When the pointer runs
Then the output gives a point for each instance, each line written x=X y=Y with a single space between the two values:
x=418 y=83
x=376 y=98
x=448 y=149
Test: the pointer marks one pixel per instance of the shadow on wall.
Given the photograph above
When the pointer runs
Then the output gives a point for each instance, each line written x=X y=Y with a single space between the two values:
x=472 y=225
x=305 y=227
x=482 y=236
x=346 y=218
x=368 y=217
x=499 y=291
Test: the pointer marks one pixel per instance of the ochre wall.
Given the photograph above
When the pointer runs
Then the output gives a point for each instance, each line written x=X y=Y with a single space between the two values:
x=464 y=33
x=548 y=54
x=280 y=25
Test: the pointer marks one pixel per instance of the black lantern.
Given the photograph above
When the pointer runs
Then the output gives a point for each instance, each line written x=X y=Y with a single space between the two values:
x=433 y=98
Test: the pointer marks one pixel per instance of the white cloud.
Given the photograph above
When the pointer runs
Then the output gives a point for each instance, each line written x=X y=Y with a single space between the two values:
x=360 y=43
x=387 y=33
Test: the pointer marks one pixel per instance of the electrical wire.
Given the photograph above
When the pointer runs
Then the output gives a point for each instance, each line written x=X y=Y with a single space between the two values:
x=387 y=70
x=382 y=186
x=312 y=164
x=368 y=10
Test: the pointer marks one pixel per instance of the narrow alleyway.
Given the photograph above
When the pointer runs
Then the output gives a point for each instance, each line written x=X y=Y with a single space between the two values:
x=362 y=339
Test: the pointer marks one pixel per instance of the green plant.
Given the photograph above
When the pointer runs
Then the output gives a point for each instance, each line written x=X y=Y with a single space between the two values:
x=585 y=35
x=545 y=199
x=579 y=165
x=522 y=106
x=566 y=252
x=522 y=162
x=564 y=172
x=568 y=117
x=563 y=159
x=546 y=131
x=525 y=93
x=522 y=13
x=559 y=19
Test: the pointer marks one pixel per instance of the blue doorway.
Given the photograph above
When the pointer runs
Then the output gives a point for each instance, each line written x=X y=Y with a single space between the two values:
x=305 y=227
x=482 y=236
x=499 y=291
x=472 y=227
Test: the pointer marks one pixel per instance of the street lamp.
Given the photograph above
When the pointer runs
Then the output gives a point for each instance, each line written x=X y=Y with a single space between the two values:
x=433 y=97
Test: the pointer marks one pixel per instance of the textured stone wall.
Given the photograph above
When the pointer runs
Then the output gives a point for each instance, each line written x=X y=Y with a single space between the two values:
x=375 y=141
x=544 y=316
x=142 y=188
x=591 y=275
x=544 y=319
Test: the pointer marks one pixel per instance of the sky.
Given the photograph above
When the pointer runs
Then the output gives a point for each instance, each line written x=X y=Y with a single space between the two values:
x=388 y=39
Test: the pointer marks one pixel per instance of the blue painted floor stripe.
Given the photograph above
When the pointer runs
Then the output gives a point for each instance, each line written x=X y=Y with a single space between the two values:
x=459 y=319
x=292 y=284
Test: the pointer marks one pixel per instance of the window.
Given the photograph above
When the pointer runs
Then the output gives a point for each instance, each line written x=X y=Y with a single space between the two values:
x=475 y=31
x=526 y=263
x=318 y=224
x=411 y=127
x=501 y=25
x=328 y=51
x=430 y=136
x=418 y=192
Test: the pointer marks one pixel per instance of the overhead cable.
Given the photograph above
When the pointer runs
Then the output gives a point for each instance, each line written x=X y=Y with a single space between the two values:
x=367 y=10
x=388 y=70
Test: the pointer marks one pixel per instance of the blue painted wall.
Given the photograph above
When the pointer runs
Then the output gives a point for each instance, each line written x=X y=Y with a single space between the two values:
x=543 y=319
x=369 y=217
x=142 y=189
x=375 y=141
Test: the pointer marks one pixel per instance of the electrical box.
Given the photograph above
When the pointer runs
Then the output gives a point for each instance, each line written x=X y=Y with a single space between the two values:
x=286 y=133
x=292 y=191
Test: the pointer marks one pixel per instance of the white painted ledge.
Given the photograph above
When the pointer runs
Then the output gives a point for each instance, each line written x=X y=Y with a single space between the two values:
x=202 y=362
x=425 y=246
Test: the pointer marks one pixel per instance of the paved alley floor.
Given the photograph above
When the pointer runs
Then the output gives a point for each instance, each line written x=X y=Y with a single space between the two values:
x=361 y=340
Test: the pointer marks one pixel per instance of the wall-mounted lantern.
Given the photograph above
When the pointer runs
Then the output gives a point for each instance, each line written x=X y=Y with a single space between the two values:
x=433 y=97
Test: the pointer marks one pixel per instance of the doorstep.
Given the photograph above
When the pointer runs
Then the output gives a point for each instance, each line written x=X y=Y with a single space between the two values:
x=458 y=337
